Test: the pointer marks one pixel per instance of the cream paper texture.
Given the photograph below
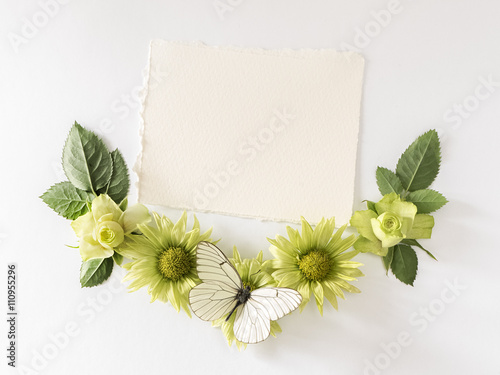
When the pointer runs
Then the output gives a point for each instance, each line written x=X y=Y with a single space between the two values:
x=268 y=134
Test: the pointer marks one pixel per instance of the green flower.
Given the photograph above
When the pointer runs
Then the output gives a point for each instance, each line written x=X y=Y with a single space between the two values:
x=315 y=262
x=391 y=221
x=256 y=274
x=103 y=229
x=164 y=259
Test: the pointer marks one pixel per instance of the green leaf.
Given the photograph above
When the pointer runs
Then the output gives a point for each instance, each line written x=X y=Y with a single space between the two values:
x=388 y=259
x=404 y=264
x=412 y=242
x=119 y=184
x=118 y=258
x=388 y=182
x=95 y=271
x=67 y=200
x=86 y=160
x=123 y=204
x=371 y=205
x=427 y=200
x=419 y=165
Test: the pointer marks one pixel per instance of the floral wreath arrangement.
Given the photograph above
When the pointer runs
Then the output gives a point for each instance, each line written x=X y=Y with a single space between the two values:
x=244 y=297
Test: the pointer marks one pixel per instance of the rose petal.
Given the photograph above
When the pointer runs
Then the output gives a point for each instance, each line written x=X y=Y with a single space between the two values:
x=90 y=249
x=103 y=205
x=362 y=221
x=133 y=216
x=366 y=246
x=388 y=239
x=83 y=225
x=422 y=227
x=386 y=202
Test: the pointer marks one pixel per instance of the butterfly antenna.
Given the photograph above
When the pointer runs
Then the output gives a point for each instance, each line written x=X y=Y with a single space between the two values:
x=254 y=274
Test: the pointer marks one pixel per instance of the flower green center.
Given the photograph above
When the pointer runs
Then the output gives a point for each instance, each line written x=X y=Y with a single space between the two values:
x=249 y=285
x=174 y=263
x=315 y=265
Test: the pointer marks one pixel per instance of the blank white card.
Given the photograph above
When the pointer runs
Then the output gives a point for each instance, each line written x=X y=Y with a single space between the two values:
x=268 y=134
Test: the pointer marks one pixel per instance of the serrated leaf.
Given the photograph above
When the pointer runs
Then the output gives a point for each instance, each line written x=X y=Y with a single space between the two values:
x=419 y=165
x=95 y=271
x=119 y=184
x=86 y=160
x=404 y=264
x=388 y=259
x=388 y=182
x=67 y=200
x=427 y=200
x=412 y=242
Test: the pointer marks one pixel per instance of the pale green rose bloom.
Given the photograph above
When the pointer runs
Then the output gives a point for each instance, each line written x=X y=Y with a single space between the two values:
x=105 y=226
x=393 y=221
x=109 y=234
x=387 y=228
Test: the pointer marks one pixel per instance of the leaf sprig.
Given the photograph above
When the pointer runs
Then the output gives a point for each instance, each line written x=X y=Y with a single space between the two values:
x=91 y=170
x=416 y=170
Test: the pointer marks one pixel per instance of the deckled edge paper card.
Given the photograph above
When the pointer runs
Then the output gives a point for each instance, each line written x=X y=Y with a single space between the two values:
x=268 y=134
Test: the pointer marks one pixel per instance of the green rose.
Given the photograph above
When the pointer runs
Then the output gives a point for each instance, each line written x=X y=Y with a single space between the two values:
x=389 y=223
x=105 y=226
x=109 y=234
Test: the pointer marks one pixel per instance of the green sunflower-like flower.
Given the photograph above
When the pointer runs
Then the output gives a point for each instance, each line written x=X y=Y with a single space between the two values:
x=256 y=274
x=164 y=259
x=316 y=262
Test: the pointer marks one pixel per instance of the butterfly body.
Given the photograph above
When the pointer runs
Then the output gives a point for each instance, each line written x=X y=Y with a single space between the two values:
x=242 y=297
x=243 y=294
x=222 y=292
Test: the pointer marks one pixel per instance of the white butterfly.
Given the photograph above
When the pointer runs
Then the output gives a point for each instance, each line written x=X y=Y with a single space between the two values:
x=222 y=292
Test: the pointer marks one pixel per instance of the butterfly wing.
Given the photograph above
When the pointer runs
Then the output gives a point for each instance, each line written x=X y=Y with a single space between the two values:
x=252 y=323
x=213 y=267
x=253 y=319
x=215 y=297
x=211 y=302
x=278 y=302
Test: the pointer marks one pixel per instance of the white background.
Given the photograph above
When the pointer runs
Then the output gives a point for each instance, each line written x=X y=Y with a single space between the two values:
x=85 y=63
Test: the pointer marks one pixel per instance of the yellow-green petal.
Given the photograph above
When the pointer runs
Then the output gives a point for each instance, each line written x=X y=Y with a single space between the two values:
x=318 y=295
x=84 y=224
x=305 y=291
x=164 y=261
x=137 y=214
x=319 y=260
x=361 y=220
x=422 y=227
x=364 y=245
x=91 y=249
x=385 y=203
x=103 y=205
x=388 y=239
x=331 y=297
